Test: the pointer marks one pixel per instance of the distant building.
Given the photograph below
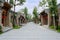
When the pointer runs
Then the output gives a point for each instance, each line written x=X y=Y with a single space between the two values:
x=47 y=19
x=44 y=18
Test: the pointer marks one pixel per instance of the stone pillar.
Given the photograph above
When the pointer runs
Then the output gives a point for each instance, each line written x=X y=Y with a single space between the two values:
x=42 y=22
x=49 y=19
x=17 y=20
x=10 y=20
x=7 y=19
x=6 y=7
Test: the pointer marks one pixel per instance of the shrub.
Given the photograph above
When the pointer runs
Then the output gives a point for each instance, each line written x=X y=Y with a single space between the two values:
x=52 y=27
x=58 y=30
x=16 y=27
x=59 y=27
x=0 y=29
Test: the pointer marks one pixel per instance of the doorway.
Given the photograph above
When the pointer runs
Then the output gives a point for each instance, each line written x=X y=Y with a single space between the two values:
x=5 y=18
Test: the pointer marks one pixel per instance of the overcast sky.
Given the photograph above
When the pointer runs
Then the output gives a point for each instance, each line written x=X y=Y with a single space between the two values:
x=30 y=4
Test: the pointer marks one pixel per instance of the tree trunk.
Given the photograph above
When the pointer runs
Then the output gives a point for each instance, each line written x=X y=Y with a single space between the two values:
x=14 y=17
x=56 y=21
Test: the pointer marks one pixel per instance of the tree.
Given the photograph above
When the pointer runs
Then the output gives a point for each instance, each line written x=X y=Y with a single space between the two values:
x=29 y=17
x=35 y=14
x=13 y=4
x=52 y=4
x=26 y=12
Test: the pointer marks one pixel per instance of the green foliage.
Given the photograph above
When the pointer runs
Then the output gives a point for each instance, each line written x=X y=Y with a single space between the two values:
x=21 y=2
x=26 y=12
x=52 y=27
x=52 y=4
x=58 y=30
x=42 y=3
x=1 y=32
x=35 y=13
x=53 y=8
x=11 y=1
x=29 y=17
x=14 y=4
x=59 y=27
x=16 y=27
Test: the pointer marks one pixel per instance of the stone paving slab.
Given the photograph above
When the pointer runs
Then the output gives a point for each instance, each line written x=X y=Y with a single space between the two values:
x=30 y=31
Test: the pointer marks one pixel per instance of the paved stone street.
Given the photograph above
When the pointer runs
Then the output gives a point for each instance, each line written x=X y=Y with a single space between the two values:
x=30 y=31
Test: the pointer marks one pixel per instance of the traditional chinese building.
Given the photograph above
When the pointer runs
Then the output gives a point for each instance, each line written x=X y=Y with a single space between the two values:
x=5 y=16
x=44 y=18
x=47 y=19
x=21 y=19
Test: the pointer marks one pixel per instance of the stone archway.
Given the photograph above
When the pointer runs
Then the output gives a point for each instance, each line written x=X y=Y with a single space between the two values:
x=44 y=18
x=5 y=15
x=21 y=20
x=5 y=18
